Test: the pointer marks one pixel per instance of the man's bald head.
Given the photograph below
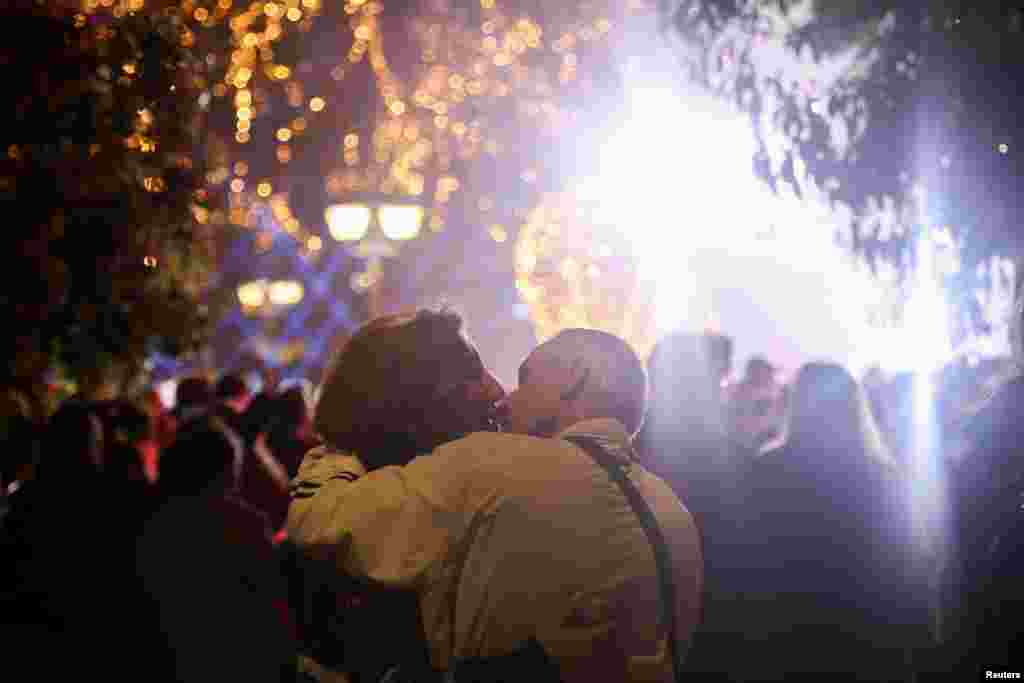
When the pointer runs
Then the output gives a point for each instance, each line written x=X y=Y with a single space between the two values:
x=579 y=374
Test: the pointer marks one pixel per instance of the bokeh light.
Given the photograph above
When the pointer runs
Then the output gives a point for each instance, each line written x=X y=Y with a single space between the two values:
x=400 y=222
x=253 y=294
x=285 y=292
x=348 y=222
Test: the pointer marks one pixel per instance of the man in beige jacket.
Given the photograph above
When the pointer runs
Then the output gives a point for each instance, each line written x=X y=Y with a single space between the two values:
x=521 y=537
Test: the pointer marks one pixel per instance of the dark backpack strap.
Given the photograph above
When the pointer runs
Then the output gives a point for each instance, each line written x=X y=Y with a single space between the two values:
x=617 y=473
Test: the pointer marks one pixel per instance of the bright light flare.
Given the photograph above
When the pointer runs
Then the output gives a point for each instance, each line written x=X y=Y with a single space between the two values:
x=400 y=221
x=677 y=177
x=927 y=317
x=927 y=323
x=679 y=157
x=285 y=292
x=348 y=222
x=253 y=294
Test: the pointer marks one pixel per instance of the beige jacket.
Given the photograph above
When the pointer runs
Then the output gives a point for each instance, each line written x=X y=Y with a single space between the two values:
x=508 y=537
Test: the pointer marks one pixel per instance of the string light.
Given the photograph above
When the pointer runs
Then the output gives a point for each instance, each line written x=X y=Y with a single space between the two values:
x=564 y=286
x=431 y=124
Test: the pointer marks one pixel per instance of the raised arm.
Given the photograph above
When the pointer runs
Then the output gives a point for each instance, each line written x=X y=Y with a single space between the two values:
x=389 y=526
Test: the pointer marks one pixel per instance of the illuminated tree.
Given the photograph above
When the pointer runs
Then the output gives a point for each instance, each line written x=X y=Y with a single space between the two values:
x=457 y=105
x=107 y=252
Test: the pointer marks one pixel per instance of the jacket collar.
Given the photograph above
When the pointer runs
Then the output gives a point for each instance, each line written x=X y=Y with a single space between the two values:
x=322 y=464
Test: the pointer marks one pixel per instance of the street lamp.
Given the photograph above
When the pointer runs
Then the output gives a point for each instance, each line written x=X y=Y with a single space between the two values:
x=348 y=222
x=266 y=297
x=399 y=220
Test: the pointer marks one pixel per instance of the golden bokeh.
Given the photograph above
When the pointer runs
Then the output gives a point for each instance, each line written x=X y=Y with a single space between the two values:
x=567 y=278
x=433 y=120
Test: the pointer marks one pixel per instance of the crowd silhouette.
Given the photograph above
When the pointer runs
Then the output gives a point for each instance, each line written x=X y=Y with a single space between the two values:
x=416 y=521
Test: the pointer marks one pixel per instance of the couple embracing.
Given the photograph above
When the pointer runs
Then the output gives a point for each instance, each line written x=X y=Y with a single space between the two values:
x=517 y=534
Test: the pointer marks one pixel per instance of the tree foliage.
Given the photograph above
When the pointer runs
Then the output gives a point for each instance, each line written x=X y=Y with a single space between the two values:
x=911 y=103
x=107 y=252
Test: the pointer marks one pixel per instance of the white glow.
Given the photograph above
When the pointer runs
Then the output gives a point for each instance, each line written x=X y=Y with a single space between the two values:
x=253 y=294
x=927 y=326
x=676 y=178
x=927 y=318
x=400 y=221
x=347 y=222
x=285 y=292
x=167 y=390
x=920 y=344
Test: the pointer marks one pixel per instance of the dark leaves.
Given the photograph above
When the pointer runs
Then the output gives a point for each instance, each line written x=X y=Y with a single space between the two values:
x=80 y=169
x=937 y=103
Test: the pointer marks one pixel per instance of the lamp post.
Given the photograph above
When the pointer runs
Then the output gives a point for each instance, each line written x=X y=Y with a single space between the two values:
x=266 y=300
x=265 y=297
x=397 y=219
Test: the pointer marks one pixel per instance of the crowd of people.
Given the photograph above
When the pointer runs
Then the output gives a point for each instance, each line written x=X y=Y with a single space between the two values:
x=608 y=519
